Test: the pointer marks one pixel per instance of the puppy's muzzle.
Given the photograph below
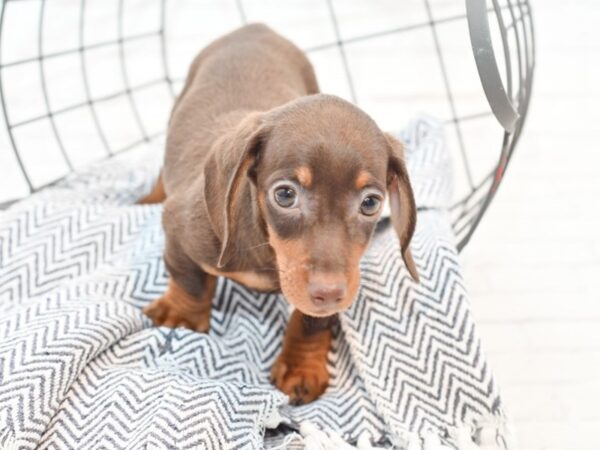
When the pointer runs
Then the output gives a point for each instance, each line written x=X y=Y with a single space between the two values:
x=327 y=291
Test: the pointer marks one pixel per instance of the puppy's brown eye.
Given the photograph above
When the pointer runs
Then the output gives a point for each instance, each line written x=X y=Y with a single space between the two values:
x=370 y=205
x=285 y=196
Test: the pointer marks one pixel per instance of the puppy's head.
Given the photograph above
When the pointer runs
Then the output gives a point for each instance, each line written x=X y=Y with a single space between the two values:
x=322 y=170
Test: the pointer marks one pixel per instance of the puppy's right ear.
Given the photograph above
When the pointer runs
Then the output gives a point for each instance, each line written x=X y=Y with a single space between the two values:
x=245 y=145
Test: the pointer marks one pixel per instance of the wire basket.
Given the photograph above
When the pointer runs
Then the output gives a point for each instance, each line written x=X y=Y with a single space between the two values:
x=82 y=81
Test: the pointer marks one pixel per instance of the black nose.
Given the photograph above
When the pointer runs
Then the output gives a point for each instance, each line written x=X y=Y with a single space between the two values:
x=326 y=294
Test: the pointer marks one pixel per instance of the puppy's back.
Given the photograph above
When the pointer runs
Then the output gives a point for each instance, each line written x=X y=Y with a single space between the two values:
x=250 y=69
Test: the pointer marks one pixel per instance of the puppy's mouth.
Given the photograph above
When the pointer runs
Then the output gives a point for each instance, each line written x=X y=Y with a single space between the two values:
x=309 y=307
x=325 y=311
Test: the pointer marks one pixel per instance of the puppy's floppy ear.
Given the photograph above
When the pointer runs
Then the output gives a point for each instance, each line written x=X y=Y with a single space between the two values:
x=402 y=202
x=245 y=144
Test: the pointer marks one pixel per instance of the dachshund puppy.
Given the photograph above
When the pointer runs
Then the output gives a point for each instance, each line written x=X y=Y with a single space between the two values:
x=273 y=185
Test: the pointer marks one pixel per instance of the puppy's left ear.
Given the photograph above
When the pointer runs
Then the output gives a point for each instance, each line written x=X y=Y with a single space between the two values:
x=245 y=143
x=402 y=202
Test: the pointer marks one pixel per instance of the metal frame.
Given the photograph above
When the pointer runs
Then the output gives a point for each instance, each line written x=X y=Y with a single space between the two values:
x=509 y=105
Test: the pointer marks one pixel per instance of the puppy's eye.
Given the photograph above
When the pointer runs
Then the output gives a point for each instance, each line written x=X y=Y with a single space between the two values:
x=370 y=205
x=285 y=196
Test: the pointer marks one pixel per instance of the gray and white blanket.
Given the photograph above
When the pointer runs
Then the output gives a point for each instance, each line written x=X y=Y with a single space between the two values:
x=81 y=367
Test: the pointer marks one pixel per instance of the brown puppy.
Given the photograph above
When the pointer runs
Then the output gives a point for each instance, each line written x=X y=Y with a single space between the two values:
x=276 y=187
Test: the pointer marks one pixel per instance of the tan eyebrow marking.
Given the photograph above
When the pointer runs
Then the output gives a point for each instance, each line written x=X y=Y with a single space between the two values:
x=304 y=176
x=362 y=179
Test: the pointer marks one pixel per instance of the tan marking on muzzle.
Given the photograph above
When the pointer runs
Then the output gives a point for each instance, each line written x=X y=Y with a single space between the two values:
x=356 y=252
x=292 y=259
x=294 y=274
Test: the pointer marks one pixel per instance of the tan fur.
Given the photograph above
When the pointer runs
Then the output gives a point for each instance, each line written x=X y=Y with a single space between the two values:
x=253 y=280
x=177 y=308
x=157 y=195
x=292 y=261
x=301 y=368
x=304 y=175
x=362 y=179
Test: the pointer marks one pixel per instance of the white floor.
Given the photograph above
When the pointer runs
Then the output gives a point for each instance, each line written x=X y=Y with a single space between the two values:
x=533 y=268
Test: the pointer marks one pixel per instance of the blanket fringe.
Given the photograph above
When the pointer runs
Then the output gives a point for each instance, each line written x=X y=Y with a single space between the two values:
x=483 y=436
x=464 y=439
x=317 y=439
x=273 y=418
x=492 y=433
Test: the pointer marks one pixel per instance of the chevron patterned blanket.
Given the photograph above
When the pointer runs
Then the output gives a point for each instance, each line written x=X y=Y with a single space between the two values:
x=81 y=367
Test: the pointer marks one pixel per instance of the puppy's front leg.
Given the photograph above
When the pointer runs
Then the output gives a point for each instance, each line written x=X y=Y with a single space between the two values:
x=300 y=371
x=185 y=304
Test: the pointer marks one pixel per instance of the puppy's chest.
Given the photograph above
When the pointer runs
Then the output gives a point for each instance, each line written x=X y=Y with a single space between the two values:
x=254 y=280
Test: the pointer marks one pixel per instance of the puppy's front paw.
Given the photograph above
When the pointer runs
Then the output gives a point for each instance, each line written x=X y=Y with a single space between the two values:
x=168 y=312
x=302 y=381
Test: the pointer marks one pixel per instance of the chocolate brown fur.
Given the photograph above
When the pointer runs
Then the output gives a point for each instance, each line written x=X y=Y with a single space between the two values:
x=248 y=121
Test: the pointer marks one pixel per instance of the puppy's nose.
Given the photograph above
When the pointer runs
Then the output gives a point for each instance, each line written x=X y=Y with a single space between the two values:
x=326 y=294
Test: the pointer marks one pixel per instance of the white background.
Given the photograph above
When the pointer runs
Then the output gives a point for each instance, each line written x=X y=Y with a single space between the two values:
x=533 y=267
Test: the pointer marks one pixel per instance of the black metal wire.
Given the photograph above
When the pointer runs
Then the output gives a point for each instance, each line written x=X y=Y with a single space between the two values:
x=128 y=92
x=71 y=51
x=505 y=47
x=526 y=70
x=467 y=212
x=468 y=117
x=340 y=46
x=9 y=131
x=442 y=64
x=163 y=48
x=89 y=101
x=241 y=11
x=510 y=140
x=49 y=113
x=86 y=82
